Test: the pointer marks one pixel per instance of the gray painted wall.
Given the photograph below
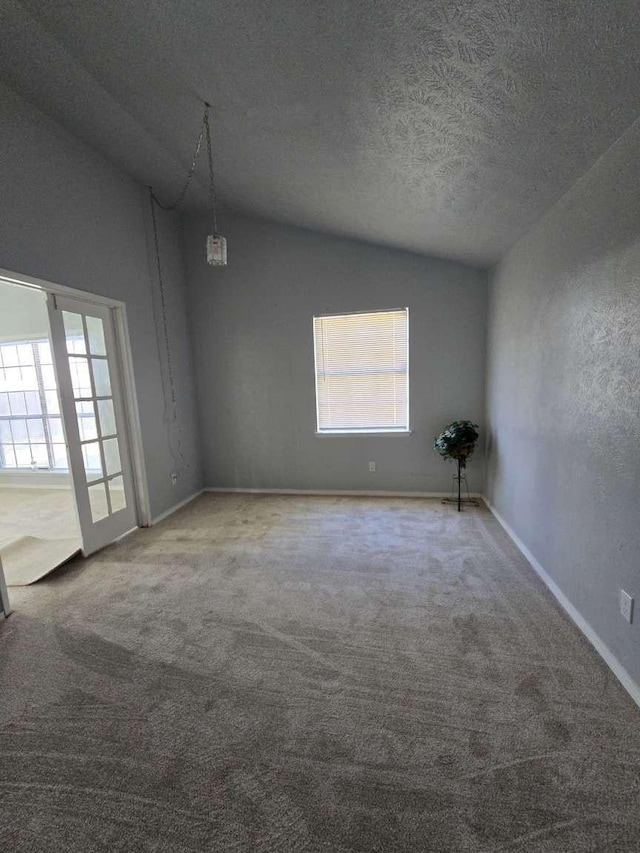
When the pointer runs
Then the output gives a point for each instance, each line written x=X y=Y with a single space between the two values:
x=69 y=216
x=252 y=326
x=564 y=394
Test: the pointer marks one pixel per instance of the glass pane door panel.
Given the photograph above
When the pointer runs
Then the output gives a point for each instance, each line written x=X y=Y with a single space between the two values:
x=80 y=379
x=117 y=495
x=86 y=420
x=101 y=378
x=95 y=332
x=92 y=461
x=112 y=456
x=107 y=417
x=74 y=332
x=98 y=501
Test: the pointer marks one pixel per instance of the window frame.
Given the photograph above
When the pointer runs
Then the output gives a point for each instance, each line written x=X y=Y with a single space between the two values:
x=45 y=416
x=361 y=431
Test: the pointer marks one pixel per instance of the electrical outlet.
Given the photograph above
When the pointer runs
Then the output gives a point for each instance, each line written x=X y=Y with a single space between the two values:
x=174 y=478
x=626 y=606
x=372 y=467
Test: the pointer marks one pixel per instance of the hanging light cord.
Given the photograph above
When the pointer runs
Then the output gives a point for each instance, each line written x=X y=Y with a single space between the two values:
x=212 y=189
x=153 y=200
x=163 y=308
x=192 y=167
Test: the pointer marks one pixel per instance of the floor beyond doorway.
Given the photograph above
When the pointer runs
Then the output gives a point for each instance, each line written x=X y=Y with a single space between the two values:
x=38 y=532
x=277 y=673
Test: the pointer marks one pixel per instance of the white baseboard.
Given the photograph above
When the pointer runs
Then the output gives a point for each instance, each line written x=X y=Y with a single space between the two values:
x=176 y=507
x=345 y=493
x=599 y=645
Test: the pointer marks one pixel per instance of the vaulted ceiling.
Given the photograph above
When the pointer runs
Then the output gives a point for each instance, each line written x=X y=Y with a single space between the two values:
x=442 y=127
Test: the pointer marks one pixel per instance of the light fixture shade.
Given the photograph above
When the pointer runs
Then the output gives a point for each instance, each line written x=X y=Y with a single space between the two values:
x=217 y=250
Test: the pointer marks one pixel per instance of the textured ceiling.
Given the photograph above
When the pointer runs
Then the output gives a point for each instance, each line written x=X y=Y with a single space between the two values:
x=442 y=127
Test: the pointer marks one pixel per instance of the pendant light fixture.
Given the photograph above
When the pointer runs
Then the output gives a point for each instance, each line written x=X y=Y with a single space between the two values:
x=216 y=243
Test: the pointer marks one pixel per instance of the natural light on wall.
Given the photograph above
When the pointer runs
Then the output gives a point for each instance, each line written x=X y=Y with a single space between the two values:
x=362 y=372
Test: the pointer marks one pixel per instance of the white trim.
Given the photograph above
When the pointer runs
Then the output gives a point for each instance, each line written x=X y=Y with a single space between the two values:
x=318 y=431
x=59 y=289
x=176 y=507
x=363 y=311
x=599 y=645
x=361 y=432
x=345 y=493
x=132 y=416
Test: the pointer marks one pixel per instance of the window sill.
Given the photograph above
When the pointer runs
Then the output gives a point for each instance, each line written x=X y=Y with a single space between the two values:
x=361 y=432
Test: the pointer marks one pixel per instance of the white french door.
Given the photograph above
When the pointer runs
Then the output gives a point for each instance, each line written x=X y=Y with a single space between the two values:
x=87 y=366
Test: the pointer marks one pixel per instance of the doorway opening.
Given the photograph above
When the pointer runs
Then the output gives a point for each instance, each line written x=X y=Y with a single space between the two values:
x=71 y=472
x=39 y=526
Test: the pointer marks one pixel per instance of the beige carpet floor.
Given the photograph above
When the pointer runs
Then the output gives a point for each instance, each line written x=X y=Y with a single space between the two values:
x=310 y=675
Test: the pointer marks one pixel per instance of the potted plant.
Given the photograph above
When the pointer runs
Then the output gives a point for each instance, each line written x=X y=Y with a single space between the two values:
x=457 y=441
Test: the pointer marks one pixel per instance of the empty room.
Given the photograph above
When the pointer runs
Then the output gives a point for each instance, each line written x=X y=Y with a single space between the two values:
x=319 y=422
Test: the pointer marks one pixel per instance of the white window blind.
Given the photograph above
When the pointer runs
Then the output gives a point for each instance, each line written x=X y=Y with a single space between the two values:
x=362 y=372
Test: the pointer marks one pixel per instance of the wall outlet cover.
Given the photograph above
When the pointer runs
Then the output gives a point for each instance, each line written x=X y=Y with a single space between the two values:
x=626 y=606
x=372 y=467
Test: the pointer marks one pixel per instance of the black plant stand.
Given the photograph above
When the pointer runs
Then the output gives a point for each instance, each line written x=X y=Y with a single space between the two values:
x=459 y=500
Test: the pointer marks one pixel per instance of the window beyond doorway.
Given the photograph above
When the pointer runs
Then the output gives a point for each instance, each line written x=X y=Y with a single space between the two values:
x=362 y=372
x=31 y=434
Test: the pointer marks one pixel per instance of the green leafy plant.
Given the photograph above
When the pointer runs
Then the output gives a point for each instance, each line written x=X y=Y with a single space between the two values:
x=457 y=441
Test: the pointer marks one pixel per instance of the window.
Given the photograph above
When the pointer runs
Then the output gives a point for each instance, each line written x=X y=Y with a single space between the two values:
x=31 y=434
x=362 y=372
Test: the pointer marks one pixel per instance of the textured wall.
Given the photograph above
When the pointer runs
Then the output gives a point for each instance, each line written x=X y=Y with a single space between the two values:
x=70 y=217
x=252 y=324
x=564 y=393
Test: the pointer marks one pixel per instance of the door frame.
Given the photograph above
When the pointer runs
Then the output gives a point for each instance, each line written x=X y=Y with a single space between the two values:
x=125 y=367
x=5 y=607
